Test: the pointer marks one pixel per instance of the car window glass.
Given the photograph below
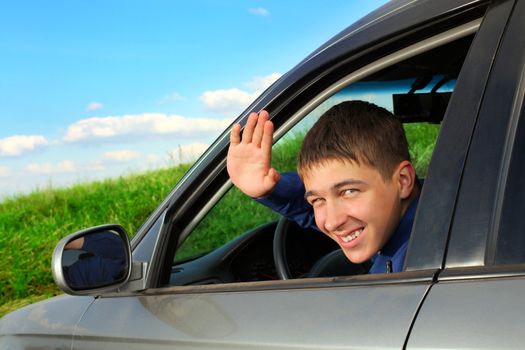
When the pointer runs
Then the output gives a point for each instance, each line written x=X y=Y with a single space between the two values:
x=408 y=88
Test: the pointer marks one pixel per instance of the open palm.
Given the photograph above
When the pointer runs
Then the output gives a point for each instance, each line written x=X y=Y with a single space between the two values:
x=250 y=155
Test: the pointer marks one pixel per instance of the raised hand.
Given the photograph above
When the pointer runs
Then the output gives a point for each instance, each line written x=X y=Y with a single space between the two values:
x=249 y=156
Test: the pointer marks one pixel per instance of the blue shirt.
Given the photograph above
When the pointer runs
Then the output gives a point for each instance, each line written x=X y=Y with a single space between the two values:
x=287 y=198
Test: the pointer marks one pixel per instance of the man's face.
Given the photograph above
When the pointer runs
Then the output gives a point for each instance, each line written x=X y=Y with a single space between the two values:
x=354 y=206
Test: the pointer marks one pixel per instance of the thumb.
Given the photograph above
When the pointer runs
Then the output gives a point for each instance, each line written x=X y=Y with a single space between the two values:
x=274 y=175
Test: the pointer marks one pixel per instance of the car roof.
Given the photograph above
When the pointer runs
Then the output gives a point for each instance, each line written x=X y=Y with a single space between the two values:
x=388 y=10
x=393 y=17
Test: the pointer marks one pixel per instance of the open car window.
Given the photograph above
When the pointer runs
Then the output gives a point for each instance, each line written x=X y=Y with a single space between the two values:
x=416 y=89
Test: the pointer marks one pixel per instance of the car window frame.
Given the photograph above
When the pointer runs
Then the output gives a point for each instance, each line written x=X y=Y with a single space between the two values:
x=208 y=180
x=433 y=225
x=474 y=232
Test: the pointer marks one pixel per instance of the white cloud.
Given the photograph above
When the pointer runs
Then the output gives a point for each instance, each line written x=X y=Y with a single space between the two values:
x=259 y=84
x=153 y=158
x=259 y=11
x=92 y=166
x=65 y=166
x=187 y=153
x=142 y=125
x=230 y=100
x=122 y=155
x=5 y=171
x=173 y=97
x=94 y=106
x=17 y=145
x=235 y=100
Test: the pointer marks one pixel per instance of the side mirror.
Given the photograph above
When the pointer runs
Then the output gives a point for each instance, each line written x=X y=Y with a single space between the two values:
x=91 y=261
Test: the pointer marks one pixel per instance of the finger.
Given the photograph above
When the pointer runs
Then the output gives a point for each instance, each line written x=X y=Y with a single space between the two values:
x=235 y=134
x=267 y=138
x=259 y=128
x=248 y=129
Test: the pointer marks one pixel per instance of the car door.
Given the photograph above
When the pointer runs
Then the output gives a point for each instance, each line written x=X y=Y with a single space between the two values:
x=477 y=302
x=356 y=312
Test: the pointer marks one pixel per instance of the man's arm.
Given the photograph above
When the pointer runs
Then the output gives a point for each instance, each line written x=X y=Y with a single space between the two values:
x=287 y=198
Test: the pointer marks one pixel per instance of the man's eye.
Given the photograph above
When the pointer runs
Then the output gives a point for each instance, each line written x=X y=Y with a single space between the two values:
x=349 y=192
x=315 y=201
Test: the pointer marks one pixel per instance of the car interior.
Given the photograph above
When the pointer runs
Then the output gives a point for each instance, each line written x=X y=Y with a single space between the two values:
x=417 y=90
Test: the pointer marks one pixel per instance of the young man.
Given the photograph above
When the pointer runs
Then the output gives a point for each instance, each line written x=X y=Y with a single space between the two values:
x=358 y=180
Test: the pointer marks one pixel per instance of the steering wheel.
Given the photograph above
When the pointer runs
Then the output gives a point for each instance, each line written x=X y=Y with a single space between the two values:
x=279 y=249
x=334 y=263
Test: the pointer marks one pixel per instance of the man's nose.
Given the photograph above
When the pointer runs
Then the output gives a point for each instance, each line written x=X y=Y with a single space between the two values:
x=335 y=217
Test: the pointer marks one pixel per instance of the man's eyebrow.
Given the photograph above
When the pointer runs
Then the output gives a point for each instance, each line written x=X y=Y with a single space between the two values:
x=349 y=182
x=309 y=193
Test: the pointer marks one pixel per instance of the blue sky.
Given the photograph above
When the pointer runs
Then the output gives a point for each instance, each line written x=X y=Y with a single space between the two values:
x=96 y=89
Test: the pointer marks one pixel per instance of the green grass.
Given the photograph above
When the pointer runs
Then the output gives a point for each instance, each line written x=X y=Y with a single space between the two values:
x=422 y=139
x=31 y=225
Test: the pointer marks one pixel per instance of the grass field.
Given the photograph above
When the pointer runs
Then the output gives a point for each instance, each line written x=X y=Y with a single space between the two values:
x=32 y=224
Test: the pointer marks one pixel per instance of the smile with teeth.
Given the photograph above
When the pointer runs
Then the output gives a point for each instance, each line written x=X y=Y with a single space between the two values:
x=351 y=236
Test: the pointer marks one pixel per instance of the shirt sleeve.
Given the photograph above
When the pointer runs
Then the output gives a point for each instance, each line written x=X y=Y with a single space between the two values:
x=287 y=198
x=104 y=244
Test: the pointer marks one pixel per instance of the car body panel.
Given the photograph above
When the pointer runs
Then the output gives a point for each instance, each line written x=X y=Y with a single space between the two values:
x=49 y=324
x=475 y=314
x=477 y=303
x=280 y=318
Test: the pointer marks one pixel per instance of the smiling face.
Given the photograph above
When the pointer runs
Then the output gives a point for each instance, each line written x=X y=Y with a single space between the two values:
x=355 y=206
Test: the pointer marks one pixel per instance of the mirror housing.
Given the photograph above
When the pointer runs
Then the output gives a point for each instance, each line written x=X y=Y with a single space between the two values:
x=92 y=261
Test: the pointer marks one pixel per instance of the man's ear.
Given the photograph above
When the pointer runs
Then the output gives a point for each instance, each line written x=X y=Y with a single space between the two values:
x=406 y=178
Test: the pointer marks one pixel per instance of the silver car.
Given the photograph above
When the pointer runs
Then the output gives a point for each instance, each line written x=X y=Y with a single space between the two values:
x=455 y=64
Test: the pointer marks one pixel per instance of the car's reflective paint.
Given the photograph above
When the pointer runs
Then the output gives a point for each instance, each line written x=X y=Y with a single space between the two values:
x=49 y=324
